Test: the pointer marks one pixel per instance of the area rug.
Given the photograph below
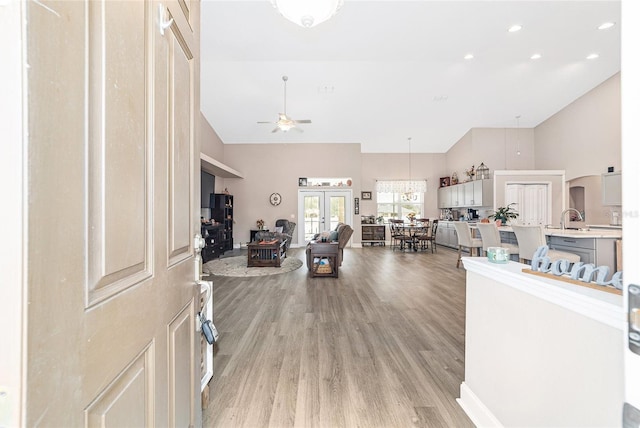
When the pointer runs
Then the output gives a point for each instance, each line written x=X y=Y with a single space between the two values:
x=237 y=266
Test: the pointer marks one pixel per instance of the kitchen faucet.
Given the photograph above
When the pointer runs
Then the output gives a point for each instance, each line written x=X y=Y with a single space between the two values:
x=566 y=211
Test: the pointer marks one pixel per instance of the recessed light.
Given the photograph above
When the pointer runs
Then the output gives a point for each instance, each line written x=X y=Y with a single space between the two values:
x=536 y=56
x=606 y=25
x=593 y=56
x=515 y=28
x=468 y=56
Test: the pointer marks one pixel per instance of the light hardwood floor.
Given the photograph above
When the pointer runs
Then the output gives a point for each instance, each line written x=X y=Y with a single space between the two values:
x=380 y=346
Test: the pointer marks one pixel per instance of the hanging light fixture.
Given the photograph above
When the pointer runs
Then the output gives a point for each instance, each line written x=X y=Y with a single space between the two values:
x=409 y=189
x=518 y=135
x=307 y=13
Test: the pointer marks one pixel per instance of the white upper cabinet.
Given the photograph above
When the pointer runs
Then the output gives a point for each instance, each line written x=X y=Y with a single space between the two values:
x=612 y=189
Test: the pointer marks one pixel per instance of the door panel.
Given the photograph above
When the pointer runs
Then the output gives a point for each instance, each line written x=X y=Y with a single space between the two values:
x=180 y=131
x=113 y=173
x=312 y=215
x=123 y=402
x=181 y=338
x=118 y=152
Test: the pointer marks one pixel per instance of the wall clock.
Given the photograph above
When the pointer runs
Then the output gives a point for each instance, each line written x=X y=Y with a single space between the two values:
x=275 y=199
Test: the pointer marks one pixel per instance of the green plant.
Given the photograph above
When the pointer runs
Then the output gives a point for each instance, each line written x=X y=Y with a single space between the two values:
x=505 y=213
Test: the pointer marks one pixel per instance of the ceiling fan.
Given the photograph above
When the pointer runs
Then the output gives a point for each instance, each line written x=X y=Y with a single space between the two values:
x=285 y=123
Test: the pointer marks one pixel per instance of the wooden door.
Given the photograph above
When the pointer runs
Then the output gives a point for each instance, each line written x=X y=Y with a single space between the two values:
x=113 y=206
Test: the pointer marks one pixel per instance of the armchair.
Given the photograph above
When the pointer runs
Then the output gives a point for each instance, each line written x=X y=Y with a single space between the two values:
x=286 y=235
x=342 y=234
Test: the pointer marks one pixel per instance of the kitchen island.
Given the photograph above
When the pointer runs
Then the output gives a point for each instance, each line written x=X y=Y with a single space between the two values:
x=597 y=246
x=538 y=351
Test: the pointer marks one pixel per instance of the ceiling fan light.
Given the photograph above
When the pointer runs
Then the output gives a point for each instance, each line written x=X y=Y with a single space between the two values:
x=307 y=13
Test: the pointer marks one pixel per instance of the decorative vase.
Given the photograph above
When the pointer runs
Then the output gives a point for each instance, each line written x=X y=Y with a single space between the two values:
x=498 y=222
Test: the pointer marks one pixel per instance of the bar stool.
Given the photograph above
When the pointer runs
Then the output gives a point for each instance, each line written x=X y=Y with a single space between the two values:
x=465 y=239
x=530 y=238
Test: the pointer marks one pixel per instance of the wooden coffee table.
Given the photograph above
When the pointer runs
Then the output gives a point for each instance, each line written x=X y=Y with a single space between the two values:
x=265 y=253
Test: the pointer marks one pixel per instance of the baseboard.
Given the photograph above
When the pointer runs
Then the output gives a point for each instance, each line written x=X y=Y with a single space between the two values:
x=479 y=414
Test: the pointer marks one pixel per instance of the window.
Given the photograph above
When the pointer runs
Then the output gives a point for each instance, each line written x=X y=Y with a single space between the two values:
x=397 y=205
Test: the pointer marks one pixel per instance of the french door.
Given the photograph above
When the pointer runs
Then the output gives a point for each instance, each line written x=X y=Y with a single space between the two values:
x=322 y=210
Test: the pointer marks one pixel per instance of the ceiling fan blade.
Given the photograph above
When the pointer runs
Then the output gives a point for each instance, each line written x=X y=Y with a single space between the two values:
x=276 y=129
x=302 y=121
x=265 y=122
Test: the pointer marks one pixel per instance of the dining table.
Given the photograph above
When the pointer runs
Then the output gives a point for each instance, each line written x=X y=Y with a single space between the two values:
x=413 y=229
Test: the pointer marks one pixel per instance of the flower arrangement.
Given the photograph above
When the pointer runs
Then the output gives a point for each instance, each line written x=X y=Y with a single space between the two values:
x=411 y=216
x=471 y=172
x=260 y=223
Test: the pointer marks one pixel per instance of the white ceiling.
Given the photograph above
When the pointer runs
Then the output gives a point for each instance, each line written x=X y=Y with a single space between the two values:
x=380 y=72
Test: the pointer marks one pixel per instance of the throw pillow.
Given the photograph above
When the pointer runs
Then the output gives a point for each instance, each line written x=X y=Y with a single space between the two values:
x=279 y=229
x=324 y=236
x=333 y=235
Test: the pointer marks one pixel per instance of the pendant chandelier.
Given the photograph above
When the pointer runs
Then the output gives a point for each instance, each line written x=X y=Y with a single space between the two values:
x=307 y=13
x=408 y=188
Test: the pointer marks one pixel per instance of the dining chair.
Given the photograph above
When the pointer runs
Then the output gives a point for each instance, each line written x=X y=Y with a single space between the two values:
x=422 y=232
x=397 y=234
x=466 y=240
x=490 y=236
x=530 y=238
x=405 y=236
x=431 y=237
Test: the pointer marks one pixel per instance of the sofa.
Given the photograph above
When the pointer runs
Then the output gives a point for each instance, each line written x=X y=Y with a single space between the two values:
x=288 y=227
x=341 y=234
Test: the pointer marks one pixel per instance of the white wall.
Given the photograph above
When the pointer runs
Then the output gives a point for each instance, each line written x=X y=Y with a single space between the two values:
x=534 y=361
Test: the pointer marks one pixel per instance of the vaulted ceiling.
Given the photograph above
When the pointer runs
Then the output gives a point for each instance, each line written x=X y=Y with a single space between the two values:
x=380 y=72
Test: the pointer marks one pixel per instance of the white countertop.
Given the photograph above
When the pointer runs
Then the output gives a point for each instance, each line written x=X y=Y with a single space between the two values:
x=569 y=233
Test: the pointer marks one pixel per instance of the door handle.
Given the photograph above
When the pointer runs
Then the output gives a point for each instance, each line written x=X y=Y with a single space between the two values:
x=198 y=244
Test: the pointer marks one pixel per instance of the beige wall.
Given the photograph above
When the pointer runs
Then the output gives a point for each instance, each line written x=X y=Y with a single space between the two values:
x=212 y=145
x=584 y=138
x=270 y=168
x=496 y=147
x=395 y=166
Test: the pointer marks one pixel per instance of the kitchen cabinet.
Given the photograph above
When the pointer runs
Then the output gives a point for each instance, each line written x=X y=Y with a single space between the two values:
x=599 y=251
x=478 y=193
x=446 y=235
x=612 y=189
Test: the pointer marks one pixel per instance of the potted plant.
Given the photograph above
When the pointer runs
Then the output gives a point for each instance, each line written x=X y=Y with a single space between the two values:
x=502 y=215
